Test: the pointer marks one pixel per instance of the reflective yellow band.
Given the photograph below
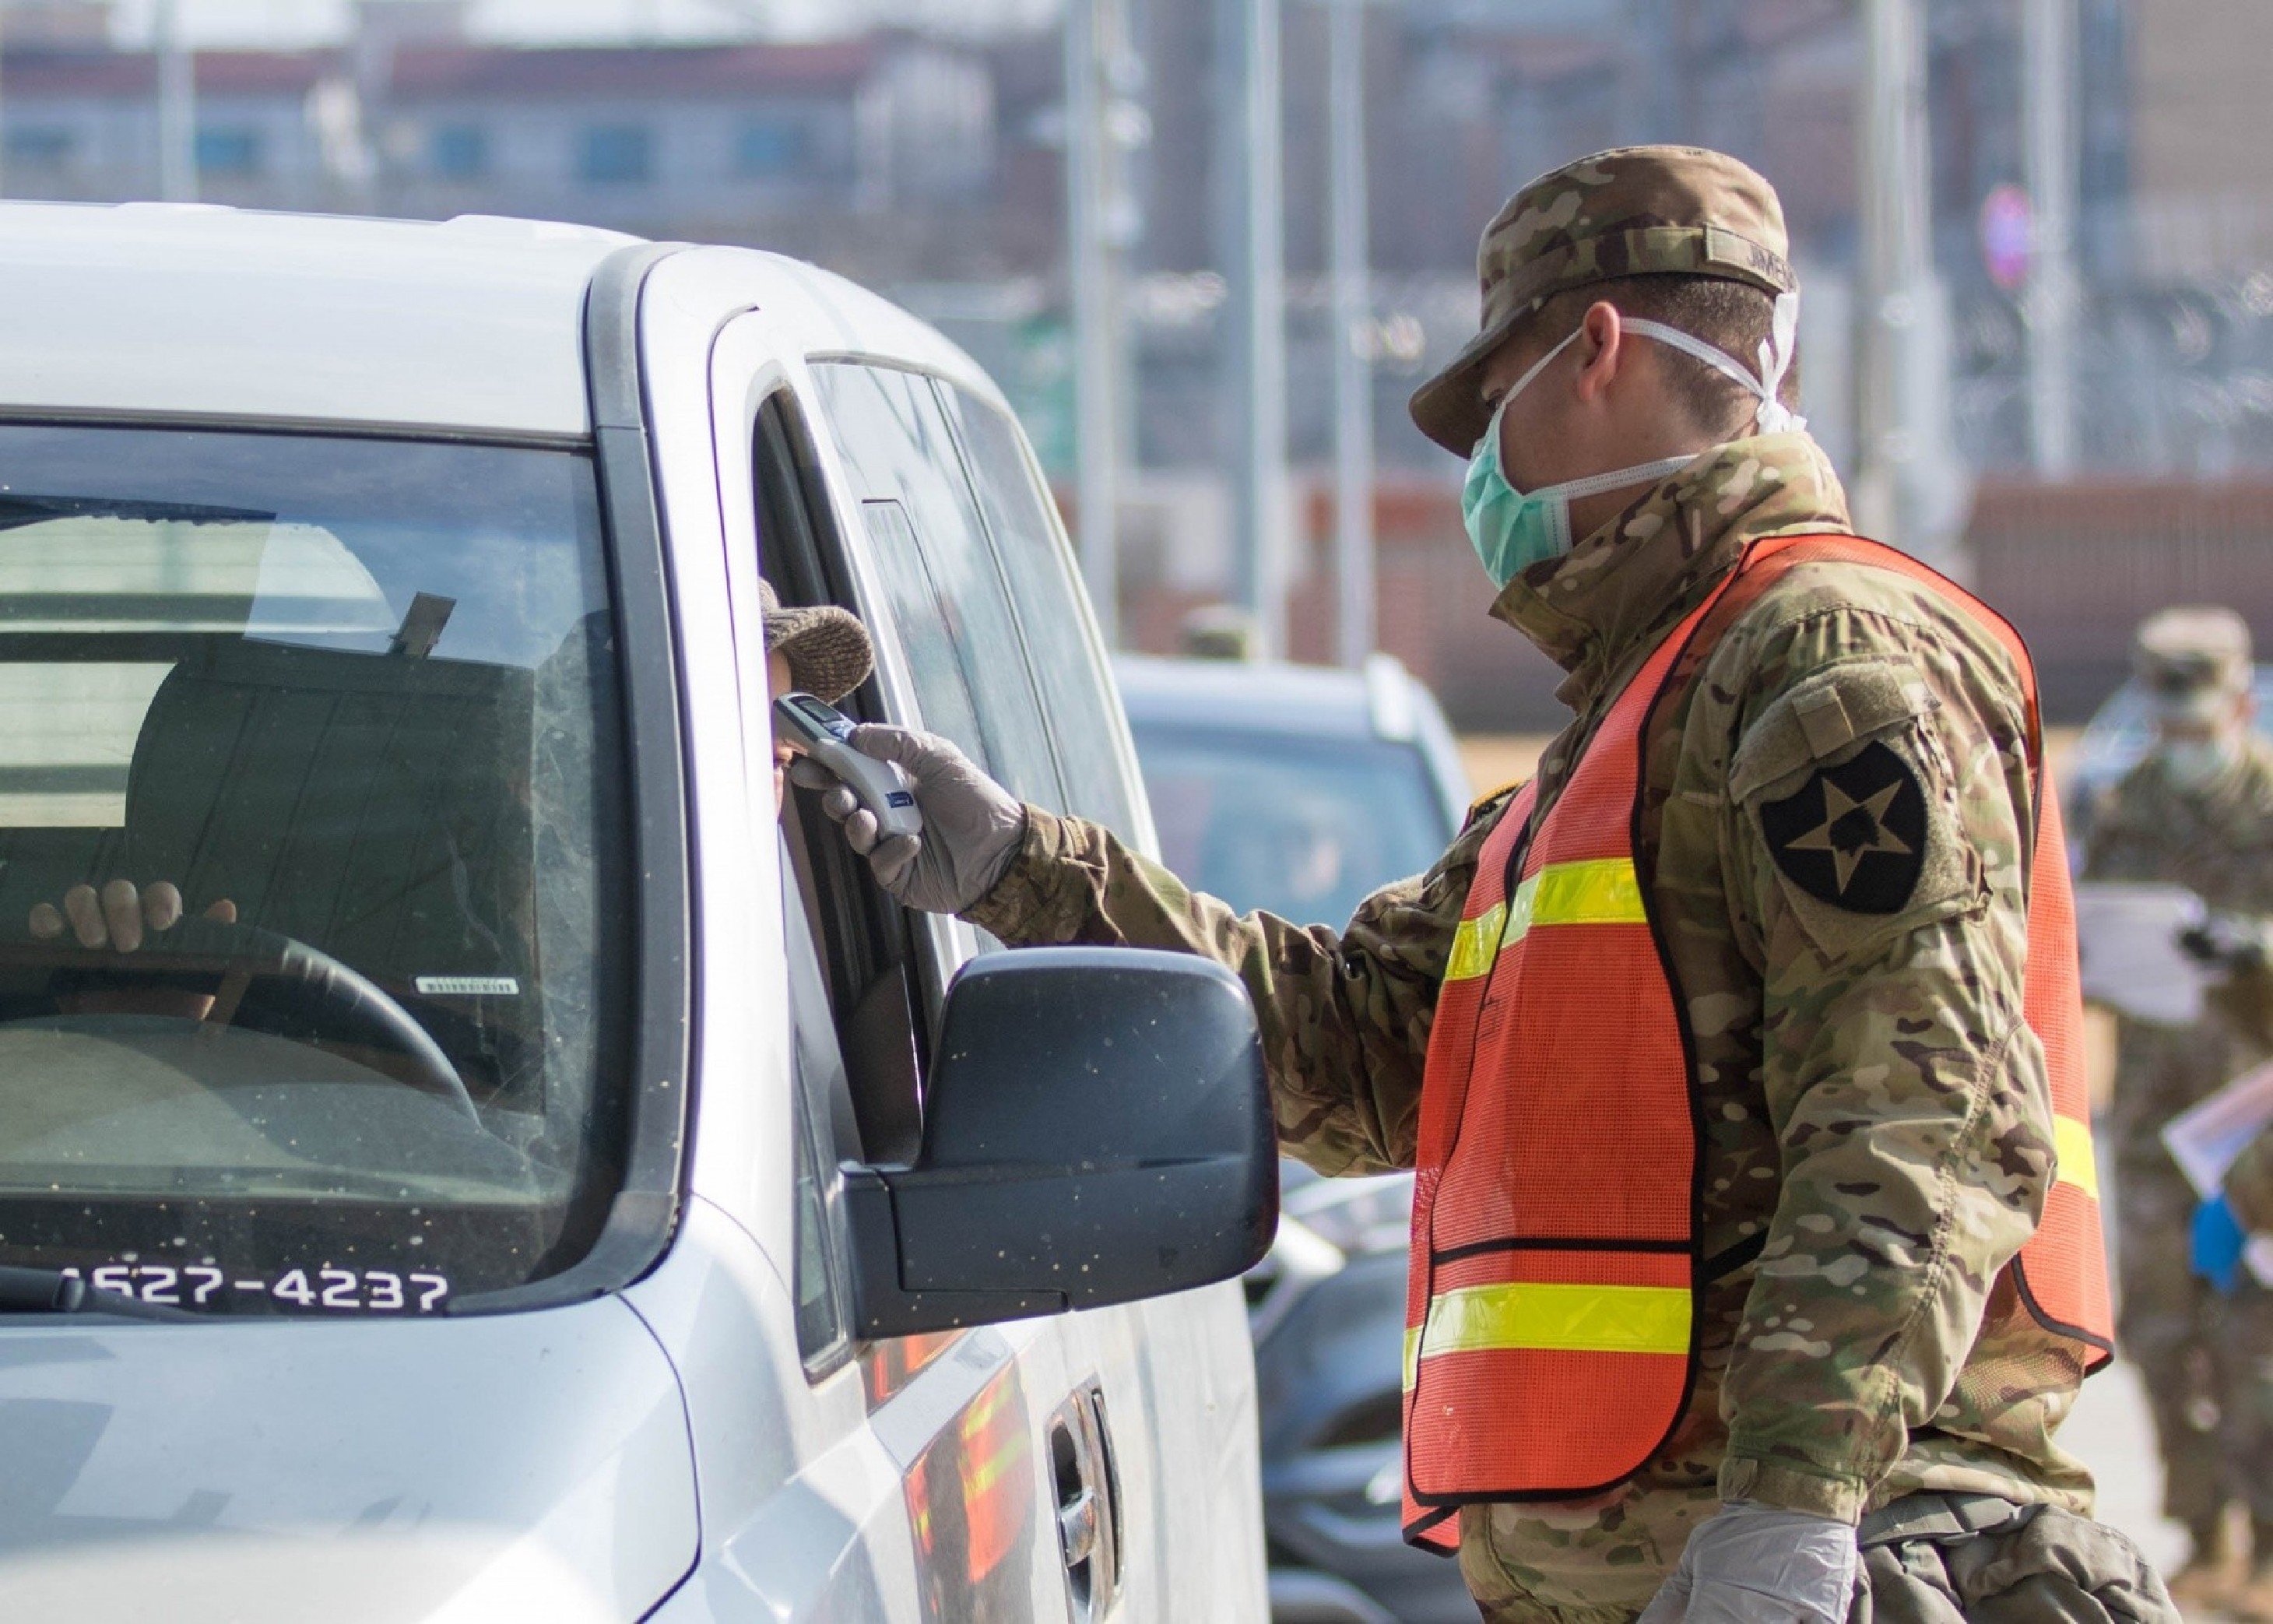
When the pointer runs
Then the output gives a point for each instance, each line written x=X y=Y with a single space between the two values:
x=1599 y=892
x=2079 y=1162
x=1603 y=891
x=1475 y=944
x=1559 y=1317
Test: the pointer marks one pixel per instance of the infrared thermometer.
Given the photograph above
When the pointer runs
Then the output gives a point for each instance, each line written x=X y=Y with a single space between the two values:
x=824 y=732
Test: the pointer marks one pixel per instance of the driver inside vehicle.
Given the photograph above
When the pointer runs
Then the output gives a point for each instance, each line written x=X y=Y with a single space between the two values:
x=823 y=651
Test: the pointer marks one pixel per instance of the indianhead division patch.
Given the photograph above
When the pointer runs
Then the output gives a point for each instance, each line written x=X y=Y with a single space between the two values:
x=1854 y=836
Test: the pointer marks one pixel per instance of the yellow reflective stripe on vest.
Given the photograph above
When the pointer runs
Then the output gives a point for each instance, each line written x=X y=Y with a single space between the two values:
x=2079 y=1161
x=1561 y=1317
x=1475 y=944
x=1599 y=892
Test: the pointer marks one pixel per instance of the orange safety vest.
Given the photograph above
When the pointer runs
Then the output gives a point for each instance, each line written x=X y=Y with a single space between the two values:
x=1551 y=1331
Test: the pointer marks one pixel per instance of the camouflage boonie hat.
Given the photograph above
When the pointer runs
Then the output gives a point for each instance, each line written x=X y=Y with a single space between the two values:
x=2193 y=661
x=1634 y=210
x=827 y=648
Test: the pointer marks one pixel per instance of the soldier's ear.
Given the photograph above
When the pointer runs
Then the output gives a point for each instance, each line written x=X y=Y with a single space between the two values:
x=1601 y=349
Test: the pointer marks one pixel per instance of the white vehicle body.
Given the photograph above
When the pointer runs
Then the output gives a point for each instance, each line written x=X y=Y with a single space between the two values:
x=668 y=1445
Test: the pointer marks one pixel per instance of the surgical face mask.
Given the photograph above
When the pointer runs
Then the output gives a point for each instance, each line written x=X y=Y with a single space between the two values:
x=1512 y=529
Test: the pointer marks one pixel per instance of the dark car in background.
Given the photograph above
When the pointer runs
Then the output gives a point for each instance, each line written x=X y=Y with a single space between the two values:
x=1301 y=790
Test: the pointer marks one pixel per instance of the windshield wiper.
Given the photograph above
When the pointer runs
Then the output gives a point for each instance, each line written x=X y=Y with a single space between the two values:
x=57 y=1291
x=17 y=509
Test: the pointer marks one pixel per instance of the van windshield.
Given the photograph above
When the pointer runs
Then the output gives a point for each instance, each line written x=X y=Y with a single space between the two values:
x=313 y=854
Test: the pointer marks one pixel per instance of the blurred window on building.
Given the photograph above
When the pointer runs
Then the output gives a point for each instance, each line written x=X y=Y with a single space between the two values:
x=39 y=147
x=228 y=149
x=615 y=155
x=771 y=148
x=459 y=152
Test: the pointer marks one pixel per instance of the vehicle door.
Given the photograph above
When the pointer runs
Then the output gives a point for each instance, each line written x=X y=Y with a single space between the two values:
x=1189 y=1355
x=949 y=621
x=986 y=1432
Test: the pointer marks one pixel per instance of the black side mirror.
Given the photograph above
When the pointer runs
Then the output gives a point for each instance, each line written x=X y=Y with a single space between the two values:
x=1097 y=1130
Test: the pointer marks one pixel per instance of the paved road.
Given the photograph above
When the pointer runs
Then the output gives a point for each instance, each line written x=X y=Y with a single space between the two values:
x=2111 y=1431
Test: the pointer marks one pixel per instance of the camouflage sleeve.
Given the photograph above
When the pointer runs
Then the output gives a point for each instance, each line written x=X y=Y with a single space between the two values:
x=1876 y=840
x=1344 y=1014
x=2249 y=1184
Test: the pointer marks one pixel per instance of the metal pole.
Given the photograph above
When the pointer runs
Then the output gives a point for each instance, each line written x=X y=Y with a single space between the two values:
x=1890 y=230
x=2049 y=46
x=1090 y=273
x=177 y=151
x=1913 y=488
x=1352 y=303
x=1257 y=309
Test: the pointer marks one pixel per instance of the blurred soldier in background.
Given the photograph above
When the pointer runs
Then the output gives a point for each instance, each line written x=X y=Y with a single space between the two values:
x=2197 y=812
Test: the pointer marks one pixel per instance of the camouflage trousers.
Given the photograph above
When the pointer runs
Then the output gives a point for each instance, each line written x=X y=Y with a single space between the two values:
x=2205 y=1358
x=1970 y=1559
x=1927 y=1559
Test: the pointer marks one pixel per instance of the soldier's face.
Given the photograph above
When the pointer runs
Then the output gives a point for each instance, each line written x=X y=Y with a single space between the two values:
x=1599 y=404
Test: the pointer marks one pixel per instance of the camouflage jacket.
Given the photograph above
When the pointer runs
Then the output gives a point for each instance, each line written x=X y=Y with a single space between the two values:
x=1876 y=1116
x=2216 y=840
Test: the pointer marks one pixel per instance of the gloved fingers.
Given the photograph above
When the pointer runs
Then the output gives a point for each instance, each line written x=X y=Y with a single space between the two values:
x=860 y=830
x=841 y=803
x=916 y=754
x=223 y=911
x=893 y=859
x=1671 y=1604
x=807 y=773
x=1717 y=1604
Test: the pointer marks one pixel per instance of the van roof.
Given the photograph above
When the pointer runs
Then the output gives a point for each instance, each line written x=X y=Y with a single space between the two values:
x=473 y=325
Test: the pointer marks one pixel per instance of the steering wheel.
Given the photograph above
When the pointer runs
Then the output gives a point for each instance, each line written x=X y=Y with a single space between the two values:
x=213 y=947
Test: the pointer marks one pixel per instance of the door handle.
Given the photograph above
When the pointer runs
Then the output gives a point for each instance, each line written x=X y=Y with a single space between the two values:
x=1088 y=1510
x=1077 y=1527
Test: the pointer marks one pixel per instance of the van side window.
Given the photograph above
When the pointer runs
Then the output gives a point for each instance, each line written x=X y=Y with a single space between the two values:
x=949 y=609
x=1049 y=600
x=860 y=938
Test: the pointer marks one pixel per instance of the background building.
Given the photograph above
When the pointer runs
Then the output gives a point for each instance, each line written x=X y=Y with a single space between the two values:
x=922 y=152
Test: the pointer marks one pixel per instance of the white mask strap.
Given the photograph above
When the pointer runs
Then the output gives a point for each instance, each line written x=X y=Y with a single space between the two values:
x=1522 y=383
x=1773 y=417
x=1617 y=478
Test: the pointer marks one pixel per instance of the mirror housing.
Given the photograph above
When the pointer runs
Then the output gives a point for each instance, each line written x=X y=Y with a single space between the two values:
x=1097 y=1130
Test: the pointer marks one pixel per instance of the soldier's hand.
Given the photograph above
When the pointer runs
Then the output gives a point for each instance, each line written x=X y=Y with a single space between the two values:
x=119 y=915
x=2225 y=942
x=971 y=825
x=1749 y=1564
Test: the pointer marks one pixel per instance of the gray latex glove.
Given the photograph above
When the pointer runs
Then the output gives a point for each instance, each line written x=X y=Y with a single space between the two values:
x=1749 y=1564
x=973 y=826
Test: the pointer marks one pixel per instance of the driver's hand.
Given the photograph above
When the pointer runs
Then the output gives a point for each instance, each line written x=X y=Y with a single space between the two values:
x=119 y=915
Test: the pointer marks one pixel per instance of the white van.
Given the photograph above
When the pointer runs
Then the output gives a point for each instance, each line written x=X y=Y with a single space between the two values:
x=534 y=1179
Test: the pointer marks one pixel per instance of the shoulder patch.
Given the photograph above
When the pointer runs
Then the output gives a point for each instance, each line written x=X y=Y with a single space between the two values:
x=1854 y=835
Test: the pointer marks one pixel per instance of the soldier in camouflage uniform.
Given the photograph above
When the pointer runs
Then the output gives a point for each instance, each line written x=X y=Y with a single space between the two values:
x=1876 y=1122
x=2197 y=812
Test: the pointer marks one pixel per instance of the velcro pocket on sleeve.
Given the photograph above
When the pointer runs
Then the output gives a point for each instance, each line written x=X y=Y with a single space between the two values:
x=1821 y=718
